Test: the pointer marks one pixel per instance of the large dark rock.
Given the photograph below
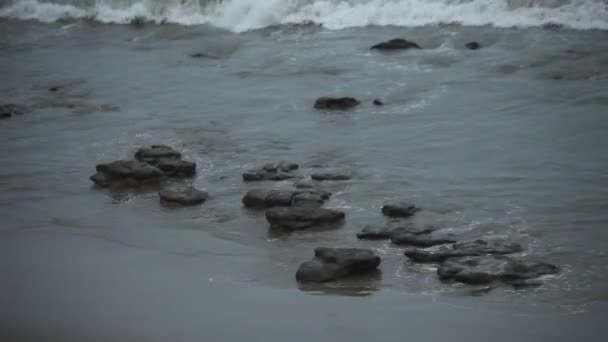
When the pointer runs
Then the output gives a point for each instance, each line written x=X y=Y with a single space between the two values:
x=8 y=110
x=419 y=240
x=385 y=233
x=330 y=264
x=314 y=198
x=155 y=153
x=492 y=268
x=271 y=172
x=396 y=44
x=186 y=197
x=473 y=46
x=336 y=103
x=255 y=199
x=284 y=198
x=176 y=167
x=330 y=176
x=126 y=173
x=399 y=210
x=462 y=249
x=302 y=217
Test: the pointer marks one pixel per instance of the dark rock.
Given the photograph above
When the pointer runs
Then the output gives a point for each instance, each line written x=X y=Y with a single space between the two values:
x=302 y=217
x=304 y=185
x=8 y=110
x=189 y=196
x=203 y=55
x=396 y=44
x=255 y=199
x=492 y=268
x=462 y=249
x=156 y=153
x=279 y=198
x=176 y=167
x=330 y=264
x=55 y=89
x=271 y=172
x=310 y=198
x=399 y=210
x=385 y=233
x=377 y=102
x=330 y=176
x=473 y=46
x=126 y=173
x=283 y=198
x=336 y=103
x=418 y=240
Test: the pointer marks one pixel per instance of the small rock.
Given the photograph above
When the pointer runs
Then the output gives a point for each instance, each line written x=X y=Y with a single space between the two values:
x=177 y=168
x=399 y=210
x=385 y=233
x=492 y=268
x=330 y=264
x=55 y=89
x=303 y=184
x=418 y=240
x=8 y=110
x=302 y=217
x=473 y=46
x=336 y=103
x=155 y=153
x=377 y=102
x=462 y=249
x=255 y=199
x=126 y=173
x=330 y=176
x=189 y=196
x=396 y=44
x=283 y=198
x=271 y=172
x=310 y=198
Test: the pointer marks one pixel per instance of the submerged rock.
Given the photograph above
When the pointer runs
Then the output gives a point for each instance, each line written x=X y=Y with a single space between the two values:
x=385 y=233
x=330 y=264
x=396 y=44
x=462 y=249
x=330 y=176
x=336 y=103
x=493 y=268
x=419 y=240
x=186 y=197
x=8 y=110
x=399 y=210
x=473 y=46
x=126 y=173
x=271 y=172
x=302 y=217
x=155 y=153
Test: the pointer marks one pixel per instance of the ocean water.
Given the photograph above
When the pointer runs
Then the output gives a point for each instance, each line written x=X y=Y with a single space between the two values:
x=504 y=142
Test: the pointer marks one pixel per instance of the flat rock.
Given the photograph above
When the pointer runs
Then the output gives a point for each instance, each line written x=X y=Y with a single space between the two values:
x=385 y=233
x=304 y=184
x=336 y=103
x=314 y=198
x=302 y=217
x=399 y=210
x=271 y=172
x=177 y=167
x=493 y=268
x=155 y=153
x=126 y=173
x=330 y=176
x=9 y=109
x=330 y=264
x=419 y=240
x=462 y=249
x=284 y=198
x=396 y=44
x=186 y=197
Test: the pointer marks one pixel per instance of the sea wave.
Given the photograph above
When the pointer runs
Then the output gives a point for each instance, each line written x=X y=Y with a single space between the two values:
x=244 y=15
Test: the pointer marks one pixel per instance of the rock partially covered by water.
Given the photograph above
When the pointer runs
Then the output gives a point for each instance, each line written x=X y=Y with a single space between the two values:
x=493 y=268
x=8 y=110
x=330 y=264
x=155 y=153
x=336 y=103
x=396 y=44
x=186 y=197
x=312 y=198
x=177 y=168
x=473 y=46
x=302 y=217
x=378 y=102
x=331 y=176
x=126 y=173
x=399 y=210
x=419 y=240
x=462 y=249
x=385 y=233
x=271 y=172
x=284 y=198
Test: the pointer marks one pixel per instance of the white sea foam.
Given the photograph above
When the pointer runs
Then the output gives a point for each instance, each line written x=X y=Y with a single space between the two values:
x=243 y=15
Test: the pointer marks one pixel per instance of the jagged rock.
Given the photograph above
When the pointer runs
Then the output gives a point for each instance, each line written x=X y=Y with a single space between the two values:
x=186 y=197
x=155 y=153
x=492 y=268
x=302 y=217
x=126 y=173
x=399 y=210
x=330 y=176
x=271 y=172
x=473 y=46
x=176 y=167
x=462 y=249
x=336 y=103
x=385 y=233
x=8 y=110
x=396 y=44
x=330 y=264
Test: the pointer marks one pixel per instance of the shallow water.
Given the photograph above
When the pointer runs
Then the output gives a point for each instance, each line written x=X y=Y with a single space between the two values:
x=507 y=142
